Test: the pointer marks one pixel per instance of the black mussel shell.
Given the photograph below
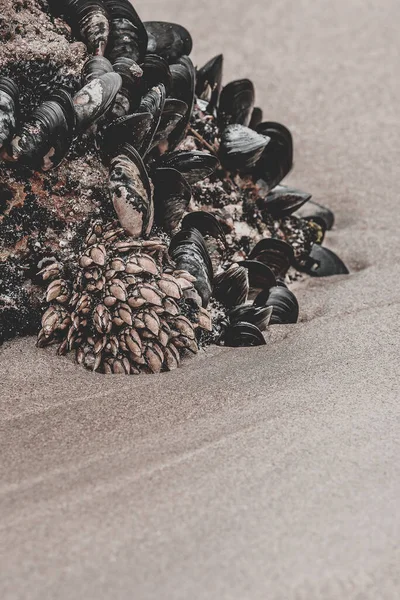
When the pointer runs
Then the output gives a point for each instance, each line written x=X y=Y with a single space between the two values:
x=129 y=95
x=257 y=315
x=95 y=67
x=130 y=192
x=277 y=159
x=241 y=147
x=189 y=252
x=89 y=20
x=206 y=223
x=9 y=95
x=132 y=130
x=313 y=211
x=231 y=287
x=209 y=81
x=284 y=303
x=156 y=70
x=153 y=103
x=213 y=233
x=256 y=117
x=95 y=99
x=324 y=263
x=194 y=165
x=242 y=335
x=282 y=201
x=127 y=37
x=260 y=276
x=236 y=103
x=45 y=138
x=183 y=88
x=172 y=195
x=174 y=110
x=276 y=254
x=168 y=40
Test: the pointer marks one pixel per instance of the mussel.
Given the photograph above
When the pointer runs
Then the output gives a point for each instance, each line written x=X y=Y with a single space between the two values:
x=95 y=99
x=44 y=139
x=256 y=315
x=156 y=70
x=183 y=88
x=194 y=165
x=282 y=201
x=153 y=103
x=168 y=40
x=313 y=211
x=277 y=159
x=243 y=334
x=172 y=195
x=323 y=262
x=174 y=111
x=236 y=103
x=241 y=147
x=128 y=37
x=285 y=308
x=95 y=67
x=277 y=254
x=89 y=21
x=128 y=97
x=189 y=252
x=131 y=192
x=209 y=82
x=9 y=94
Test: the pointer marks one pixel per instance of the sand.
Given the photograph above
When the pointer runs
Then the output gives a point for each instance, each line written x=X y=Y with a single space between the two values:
x=249 y=473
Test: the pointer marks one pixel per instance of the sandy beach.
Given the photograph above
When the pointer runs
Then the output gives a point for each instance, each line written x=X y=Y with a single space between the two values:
x=248 y=474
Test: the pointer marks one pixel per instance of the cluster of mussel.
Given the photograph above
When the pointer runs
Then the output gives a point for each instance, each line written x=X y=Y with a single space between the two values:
x=139 y=102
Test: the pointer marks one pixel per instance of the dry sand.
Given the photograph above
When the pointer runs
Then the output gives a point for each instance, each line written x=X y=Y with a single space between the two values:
x=267 y=473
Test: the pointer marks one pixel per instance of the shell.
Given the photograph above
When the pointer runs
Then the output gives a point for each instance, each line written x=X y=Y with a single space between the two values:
x=131 y=192
x=277 y=159
x=128 y=37
x=241 y=147
x=89 y=19
x=209 y=81
x=95 y=99
x=44 y=140
x=236 y=103
x=9 y=94
x=168 y=40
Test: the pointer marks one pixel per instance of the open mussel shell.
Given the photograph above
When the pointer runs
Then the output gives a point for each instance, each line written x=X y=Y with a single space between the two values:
x=282 y=201
x=172 y=195
x=89 y=20
x=260 y=277
x=276 y=254
x=95 y=67
x=277 y=159
x=323 y=262
x=248 y=313
x=183 y=88
x=45 y=138
x=168 y=40
x=231 y=287
x=9 y=95
x=156 y=70
x=189 y=252
x=153 y=103
x=95 y=99
x=194 y=165
x=174 y=110
x=209 y=81
x=127 y=35
x=312 y=211
x=241 y=147
x=131 y=193
x=256 y=117
x=236 y=103
x=285 y=308
x=242 y=335
x=129 y=95
x=133 y=130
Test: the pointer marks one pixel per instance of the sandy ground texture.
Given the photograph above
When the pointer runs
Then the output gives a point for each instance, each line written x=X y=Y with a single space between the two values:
x=248 y=473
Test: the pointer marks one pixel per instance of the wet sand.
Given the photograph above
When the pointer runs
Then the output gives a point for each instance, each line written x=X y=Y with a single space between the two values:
x=249 y=473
